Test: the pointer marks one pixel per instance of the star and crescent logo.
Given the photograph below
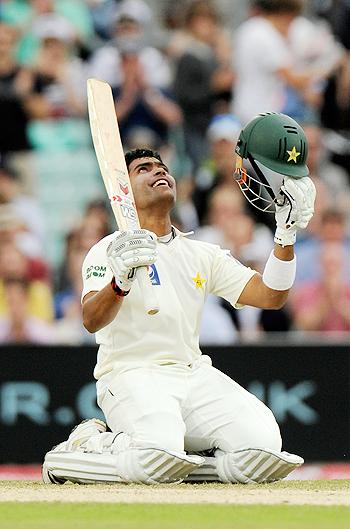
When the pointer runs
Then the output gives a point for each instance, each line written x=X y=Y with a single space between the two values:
x=293 y=155
x=199 y=281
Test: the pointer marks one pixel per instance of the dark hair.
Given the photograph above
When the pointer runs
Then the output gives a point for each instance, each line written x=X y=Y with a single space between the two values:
x=200 y=8
x=279 y=6
x=141 y=153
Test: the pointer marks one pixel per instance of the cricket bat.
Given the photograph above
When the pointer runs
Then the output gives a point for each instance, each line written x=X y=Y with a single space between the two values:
x=110 y=157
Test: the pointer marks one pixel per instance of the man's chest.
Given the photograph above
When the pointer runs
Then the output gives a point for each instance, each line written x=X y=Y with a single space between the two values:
x=181 y=274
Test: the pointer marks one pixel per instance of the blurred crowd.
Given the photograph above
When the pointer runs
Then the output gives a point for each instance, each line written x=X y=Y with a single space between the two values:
x=185 y=80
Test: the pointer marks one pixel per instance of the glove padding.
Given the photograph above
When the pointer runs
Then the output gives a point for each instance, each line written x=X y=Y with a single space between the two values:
x=294 y=208
x=128 y=251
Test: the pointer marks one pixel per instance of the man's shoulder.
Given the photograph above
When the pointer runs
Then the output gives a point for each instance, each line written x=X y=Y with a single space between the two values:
x=102 y=244
x=200 y=246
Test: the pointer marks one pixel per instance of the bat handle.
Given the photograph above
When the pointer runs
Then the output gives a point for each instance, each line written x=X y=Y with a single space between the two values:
x=147 y=290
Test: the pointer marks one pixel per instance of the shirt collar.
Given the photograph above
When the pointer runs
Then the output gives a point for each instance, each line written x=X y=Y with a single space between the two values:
x=180 y=233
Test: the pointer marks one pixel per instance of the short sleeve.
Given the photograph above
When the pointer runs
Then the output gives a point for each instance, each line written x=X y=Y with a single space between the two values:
x=95 y=270
x=229 y=277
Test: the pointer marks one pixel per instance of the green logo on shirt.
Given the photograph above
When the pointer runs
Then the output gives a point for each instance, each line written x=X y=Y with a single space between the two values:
x=96 y=271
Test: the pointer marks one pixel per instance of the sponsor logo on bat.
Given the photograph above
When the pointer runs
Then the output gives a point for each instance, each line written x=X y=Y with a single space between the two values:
x=124 y=187
x=127 y=206
x=128 y=212
x=123 y=200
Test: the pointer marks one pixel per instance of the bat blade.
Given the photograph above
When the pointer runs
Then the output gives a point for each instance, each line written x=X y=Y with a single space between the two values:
x=110 y=156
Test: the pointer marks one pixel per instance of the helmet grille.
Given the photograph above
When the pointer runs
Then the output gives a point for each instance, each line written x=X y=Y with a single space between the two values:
x=255 y=191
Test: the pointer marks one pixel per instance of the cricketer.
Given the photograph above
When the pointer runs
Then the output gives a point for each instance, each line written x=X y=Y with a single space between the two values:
x=170 y=413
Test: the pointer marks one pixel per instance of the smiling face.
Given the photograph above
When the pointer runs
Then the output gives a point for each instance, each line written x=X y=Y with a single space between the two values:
x=152 y=185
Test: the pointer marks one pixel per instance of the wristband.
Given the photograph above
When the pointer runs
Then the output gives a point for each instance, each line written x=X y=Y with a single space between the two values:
x=119 y=292
x=278 y=274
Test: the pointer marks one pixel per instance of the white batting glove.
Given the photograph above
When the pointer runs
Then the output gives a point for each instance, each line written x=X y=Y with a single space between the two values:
x=128 y=251
x=294 y=208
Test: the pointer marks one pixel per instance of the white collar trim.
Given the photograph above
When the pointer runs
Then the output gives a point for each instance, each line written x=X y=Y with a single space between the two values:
x=182 y=233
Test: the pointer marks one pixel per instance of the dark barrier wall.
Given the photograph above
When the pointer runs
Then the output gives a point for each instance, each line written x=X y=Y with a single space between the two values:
x=44 y=392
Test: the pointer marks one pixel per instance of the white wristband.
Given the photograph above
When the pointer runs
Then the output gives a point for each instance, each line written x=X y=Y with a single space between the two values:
x=279 y=275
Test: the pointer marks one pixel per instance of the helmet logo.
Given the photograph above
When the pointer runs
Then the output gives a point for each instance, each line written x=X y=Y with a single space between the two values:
x=293 y=155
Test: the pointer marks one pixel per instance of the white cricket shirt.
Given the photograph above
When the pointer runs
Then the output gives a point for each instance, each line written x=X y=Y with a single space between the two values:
x=185 y=272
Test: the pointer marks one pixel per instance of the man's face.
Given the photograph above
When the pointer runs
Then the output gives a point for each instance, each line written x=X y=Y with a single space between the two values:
x=151 y=183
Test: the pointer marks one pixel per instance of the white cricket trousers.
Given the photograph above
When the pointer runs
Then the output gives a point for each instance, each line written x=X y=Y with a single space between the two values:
x=191 y=408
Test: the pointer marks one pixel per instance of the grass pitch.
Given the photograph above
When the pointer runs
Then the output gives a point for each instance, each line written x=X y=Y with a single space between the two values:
x=222 y=507
x=153 y=516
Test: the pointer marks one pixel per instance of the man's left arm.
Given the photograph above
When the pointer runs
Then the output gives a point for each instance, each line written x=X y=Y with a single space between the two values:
x=257 y=293
x=294 y=209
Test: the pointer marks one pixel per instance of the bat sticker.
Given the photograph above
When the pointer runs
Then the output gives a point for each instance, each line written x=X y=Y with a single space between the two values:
x=124 y=188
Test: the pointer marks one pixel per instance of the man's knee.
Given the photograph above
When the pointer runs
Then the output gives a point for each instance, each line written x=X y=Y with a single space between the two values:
x=262 y=436
x=269 y=437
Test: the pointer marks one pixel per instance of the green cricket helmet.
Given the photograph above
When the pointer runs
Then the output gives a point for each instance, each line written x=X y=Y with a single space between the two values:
x=276 y=146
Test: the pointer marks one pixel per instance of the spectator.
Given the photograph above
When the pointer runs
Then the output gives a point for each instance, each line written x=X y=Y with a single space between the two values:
x=128 y=37
x=331 y=229
x=336 y=108
x=265 y=62
x=140 y=89
x=179 y=38
x=33 y=17
x=69 y=326
x=202 y=78
x=14 y=265
x=230 y=227
x=335 y=114
x=337 y=14
x=324 y=304
x=217 y=169
x=59 y=78
x=15 y=84
x=320 y=164
x=26 y=213
x=99 y=211
x=139 y=105
x=331 y=180
x=316 y=53
x=17 y=325
x=105 y=13
x=93 y=227
x=58 y=95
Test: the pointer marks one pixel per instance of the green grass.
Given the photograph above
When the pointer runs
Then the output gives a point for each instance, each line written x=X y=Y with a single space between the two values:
x=61 y=515
x=143 y=516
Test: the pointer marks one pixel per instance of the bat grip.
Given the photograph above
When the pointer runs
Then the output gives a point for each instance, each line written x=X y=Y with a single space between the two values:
x=147 y=290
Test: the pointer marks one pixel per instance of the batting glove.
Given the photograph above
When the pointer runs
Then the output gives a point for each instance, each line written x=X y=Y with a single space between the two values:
x=294 y=208
x=128 y=251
